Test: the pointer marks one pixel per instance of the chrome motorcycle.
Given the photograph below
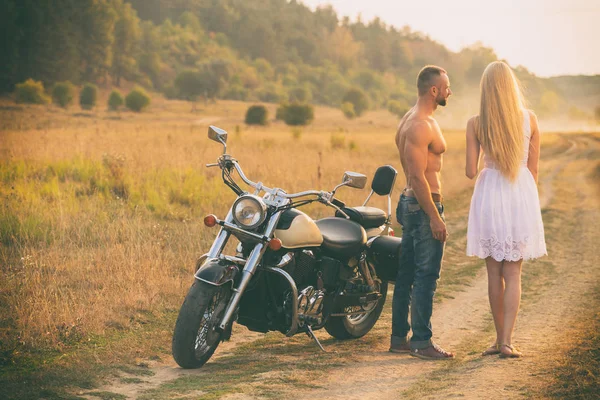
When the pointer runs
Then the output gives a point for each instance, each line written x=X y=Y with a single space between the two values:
x=289 y=274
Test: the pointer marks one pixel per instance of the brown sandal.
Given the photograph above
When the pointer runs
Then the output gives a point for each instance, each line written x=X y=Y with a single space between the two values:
x=490 y=351
x=514 y=352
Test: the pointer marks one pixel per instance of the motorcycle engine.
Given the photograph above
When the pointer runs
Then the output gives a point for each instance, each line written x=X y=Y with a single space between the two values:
x=303 y=269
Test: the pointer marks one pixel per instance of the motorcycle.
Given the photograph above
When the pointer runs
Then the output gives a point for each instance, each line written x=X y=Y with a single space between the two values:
x=290 y=273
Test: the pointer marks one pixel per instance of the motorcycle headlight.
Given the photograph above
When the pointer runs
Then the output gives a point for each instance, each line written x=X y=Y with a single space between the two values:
x=249 y=211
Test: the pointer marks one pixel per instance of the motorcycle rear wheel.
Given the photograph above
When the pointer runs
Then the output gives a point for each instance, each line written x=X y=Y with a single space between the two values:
x=195 y=338
x=357 y=325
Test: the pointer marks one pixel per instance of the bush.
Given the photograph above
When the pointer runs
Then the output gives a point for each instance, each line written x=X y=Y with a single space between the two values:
x=397 y=107
x=337 y=140
x=297 y=114
x=137 y=99
x=31 y=92
x=115 y=100
x=88 y=96
x=597 y=113
x=348 y=110
x=359 y=100
x=256 y=115
x=296 y=133
x=62 y=93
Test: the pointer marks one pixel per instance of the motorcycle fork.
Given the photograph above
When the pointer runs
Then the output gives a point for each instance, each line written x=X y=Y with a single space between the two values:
x=249 y=270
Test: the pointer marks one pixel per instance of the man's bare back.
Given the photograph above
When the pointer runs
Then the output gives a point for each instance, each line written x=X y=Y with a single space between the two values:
x=415 y=124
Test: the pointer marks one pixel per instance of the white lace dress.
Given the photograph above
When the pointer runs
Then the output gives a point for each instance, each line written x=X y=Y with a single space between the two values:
x=505 y=220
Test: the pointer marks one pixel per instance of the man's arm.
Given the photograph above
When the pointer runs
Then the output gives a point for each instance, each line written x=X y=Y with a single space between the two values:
x=473 y=145
x=416 y=151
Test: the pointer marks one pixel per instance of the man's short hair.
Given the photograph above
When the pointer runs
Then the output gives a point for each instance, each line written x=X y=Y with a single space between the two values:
x=425 y=78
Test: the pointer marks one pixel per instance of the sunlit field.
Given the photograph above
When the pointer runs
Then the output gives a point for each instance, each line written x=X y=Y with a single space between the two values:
x=101 y=218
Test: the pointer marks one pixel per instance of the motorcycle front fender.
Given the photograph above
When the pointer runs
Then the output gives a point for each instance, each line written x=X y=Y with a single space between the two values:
x=217 y=272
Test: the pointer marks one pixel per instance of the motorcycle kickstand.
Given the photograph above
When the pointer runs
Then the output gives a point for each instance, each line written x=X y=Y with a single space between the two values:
x=311 y=334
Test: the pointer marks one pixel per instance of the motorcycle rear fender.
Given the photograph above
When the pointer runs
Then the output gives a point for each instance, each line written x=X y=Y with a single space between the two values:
x=217 y=272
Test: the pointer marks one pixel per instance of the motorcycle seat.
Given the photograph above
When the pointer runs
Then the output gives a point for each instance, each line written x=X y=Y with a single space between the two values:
x=368 y=217
x=342 y=238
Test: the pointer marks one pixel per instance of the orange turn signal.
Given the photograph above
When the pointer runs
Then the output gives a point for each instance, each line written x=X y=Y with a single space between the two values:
x=275 y=244
x=210 y=220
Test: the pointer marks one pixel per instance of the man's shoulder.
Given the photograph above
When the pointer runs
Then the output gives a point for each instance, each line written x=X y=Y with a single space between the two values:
x=419 y=127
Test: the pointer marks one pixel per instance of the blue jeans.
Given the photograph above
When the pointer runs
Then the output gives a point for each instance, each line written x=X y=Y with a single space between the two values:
x=420 y=265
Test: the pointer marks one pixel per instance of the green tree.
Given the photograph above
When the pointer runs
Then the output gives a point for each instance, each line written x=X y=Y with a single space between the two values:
x=298 y=114
x=359 y=100
x=127 y=34
x=348 y=110
x=256 y=115
x=31 y=92
x=397 y=107
x=137 y=99
x=63 y=93
x=88 y=96
x=97 y=35
x=115 y=100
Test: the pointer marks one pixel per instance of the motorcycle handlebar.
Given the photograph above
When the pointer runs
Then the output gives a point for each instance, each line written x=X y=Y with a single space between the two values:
x=325 y=197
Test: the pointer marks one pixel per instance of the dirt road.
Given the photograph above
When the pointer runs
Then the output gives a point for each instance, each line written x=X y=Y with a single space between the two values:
x=554 y=292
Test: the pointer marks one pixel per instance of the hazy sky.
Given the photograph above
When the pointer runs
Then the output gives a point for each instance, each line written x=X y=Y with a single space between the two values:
x=548 y=37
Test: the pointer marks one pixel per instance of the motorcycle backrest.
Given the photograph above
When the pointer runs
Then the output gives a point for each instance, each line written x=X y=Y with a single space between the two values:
x=384 y=179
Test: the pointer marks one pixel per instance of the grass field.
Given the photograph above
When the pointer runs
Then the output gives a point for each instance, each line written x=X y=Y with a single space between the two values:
x=101 y=214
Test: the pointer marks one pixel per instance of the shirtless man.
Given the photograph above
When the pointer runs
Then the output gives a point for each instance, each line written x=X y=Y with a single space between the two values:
x=421 y=214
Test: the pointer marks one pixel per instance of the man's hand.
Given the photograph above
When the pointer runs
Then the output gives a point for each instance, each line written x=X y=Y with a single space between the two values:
x=438 y=229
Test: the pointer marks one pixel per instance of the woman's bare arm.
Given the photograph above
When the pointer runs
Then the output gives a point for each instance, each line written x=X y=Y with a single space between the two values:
x=472 y=165
x=533 y=159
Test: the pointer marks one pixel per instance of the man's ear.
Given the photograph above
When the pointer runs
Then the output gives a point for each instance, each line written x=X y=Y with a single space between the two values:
x=434 y=91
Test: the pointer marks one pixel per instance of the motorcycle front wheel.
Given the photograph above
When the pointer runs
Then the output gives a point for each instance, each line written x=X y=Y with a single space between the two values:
x=357 y=325
x=195 y=338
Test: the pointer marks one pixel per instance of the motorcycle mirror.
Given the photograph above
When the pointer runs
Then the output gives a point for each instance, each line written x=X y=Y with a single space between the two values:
x=354 y=179
x=218 y=135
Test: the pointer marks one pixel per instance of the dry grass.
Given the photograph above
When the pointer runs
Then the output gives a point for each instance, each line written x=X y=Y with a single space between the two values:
x=100 y=222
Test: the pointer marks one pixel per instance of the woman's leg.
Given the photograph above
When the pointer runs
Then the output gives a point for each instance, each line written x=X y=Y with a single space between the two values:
x=496 y=295
x=511 y=271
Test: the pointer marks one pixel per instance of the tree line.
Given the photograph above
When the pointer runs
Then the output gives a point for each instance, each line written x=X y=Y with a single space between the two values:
x=265 y=50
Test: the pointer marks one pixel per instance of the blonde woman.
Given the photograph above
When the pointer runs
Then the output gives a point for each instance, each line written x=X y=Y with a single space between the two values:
x=505 y=220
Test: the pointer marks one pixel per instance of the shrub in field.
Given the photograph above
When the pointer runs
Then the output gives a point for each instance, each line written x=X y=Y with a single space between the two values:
x=88 y=96
x=115 y=100
x=137 y=99
x=397 y=107
x=337 y=140
x=597 y=113
x=348 y=110
x=62 y=93
x=256 y=115
x=31 y=92
x=296 y=133
x=359 y=100
x=298 y=114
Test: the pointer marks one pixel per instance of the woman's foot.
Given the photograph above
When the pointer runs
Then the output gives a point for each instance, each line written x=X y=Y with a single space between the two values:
x=490 y=351
x=509 y=351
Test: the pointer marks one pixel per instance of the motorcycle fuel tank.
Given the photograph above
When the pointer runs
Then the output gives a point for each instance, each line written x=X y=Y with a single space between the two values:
x=296 y=229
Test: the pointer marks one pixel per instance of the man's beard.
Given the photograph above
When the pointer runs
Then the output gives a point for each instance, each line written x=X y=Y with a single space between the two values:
x=441 y=102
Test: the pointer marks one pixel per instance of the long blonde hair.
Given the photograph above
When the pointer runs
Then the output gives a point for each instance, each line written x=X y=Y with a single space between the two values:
x=500 y=125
